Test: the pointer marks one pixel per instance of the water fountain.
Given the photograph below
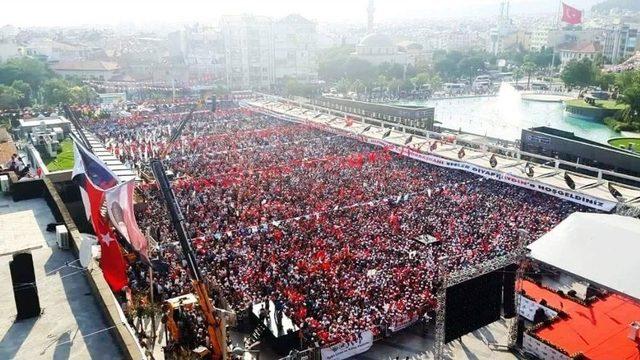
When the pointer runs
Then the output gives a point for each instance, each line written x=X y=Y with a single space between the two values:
x=506 y=114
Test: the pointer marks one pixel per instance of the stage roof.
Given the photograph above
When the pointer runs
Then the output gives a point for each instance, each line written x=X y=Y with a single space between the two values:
x=599 y=330
x=600 y=248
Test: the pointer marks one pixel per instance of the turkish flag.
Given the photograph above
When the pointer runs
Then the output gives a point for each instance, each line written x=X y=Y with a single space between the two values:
x=111 y=260
x=119 y=202
x=571 y=15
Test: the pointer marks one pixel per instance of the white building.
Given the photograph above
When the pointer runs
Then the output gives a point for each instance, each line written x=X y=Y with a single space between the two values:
x=620 y=41
x=540 y=38
x=260 y=52
x=249 y=53
x=561 y=37
x=296 y=49
x=90 y=69
x=578 y=51
x=8 y=50
x=54 y=50
x=378 y=48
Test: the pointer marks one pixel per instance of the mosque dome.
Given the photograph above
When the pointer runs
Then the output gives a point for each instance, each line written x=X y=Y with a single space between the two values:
x=376 y=40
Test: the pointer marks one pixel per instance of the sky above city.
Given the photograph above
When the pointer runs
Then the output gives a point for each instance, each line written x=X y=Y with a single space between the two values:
x=82 y=12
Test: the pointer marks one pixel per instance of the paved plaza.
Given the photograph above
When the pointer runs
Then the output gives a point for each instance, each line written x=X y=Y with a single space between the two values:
x=412 y=343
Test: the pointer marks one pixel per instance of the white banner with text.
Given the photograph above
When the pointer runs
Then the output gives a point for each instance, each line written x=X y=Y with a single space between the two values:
x=346 y=350
x=489 y=173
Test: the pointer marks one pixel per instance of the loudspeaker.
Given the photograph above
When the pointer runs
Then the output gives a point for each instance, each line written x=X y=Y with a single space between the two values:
x=25 y=291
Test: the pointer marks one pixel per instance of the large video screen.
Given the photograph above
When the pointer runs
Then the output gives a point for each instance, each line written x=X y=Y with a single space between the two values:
x=473 y=304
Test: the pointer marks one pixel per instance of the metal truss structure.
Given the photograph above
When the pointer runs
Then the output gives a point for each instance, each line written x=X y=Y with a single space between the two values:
x=458 y=277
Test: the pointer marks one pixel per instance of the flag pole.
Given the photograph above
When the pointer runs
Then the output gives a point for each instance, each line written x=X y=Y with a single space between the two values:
x=153 y=310
x=557 y=27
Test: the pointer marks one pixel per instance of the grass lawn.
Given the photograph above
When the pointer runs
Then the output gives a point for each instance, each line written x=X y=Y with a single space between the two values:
x=618 y=142
x=64 y=160
x=600 y=104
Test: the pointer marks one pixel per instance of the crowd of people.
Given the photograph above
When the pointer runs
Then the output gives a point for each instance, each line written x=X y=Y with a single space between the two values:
x=331 y=228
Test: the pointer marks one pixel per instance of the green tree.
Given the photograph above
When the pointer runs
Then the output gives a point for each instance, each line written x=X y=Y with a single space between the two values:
x=26 y=91
x=343 y=85
x=626 y=79
x=605 y=80
x=331 y=69
x=331 y=64
x=420 y=80
x=528 y=68
x=447 y=68
x=631 y=97
x=10 y=98
x=79 y=95
x=358 y=86
x=56 y=91
x=31 y=71
x=541 y=58
x=435 y=81
x=517 y=75
x=578 y=73
x=471 y=66
x=424 y=78
x=359 y=69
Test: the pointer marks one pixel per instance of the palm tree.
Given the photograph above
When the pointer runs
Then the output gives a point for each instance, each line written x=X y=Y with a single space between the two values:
x=517 y=75
x=631 y=97
x=343 y=85
x=528 y=67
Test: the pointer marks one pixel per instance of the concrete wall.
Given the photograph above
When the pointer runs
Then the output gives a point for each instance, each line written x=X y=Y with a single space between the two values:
x=541 y=350
x=601 y=156
x=582 y=112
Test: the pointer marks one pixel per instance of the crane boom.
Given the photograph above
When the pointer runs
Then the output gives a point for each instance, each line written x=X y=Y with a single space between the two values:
x=214 y=324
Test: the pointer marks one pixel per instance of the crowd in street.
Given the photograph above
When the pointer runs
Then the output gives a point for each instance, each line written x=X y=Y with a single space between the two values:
x=347 y=236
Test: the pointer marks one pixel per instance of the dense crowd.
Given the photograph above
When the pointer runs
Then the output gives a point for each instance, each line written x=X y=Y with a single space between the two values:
x=332 y=228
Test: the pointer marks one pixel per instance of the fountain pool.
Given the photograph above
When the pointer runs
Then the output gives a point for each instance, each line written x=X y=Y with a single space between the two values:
x=505 y=115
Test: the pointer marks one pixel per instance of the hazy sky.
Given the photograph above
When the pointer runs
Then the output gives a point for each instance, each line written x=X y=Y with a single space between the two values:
x=76 y=12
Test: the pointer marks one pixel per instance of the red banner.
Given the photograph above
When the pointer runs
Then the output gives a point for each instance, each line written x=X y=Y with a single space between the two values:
x=571 y=15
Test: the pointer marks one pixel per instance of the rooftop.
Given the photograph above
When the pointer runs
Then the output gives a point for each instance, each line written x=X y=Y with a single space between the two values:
x=598 y=331
x=584 y=47
x=55 y=120
x=89 y=65
x=376 y=40
x=296 y=19
x=7 y=147
x=600 y=248
x=71 y=317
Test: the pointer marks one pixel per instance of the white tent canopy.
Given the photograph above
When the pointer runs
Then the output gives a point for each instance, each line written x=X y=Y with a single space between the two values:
x=601 y=248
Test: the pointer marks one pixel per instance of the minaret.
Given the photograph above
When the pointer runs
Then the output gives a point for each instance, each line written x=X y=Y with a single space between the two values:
x=370 y=11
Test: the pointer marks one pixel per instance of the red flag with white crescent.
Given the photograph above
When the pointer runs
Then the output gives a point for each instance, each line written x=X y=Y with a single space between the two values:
x=571 y=15
x=111 y=260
